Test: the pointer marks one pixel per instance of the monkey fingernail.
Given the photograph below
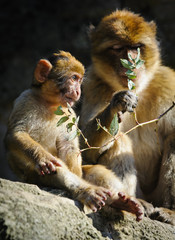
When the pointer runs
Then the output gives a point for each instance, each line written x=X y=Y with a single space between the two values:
x=109 y=194
x=94 y=209
x=121 y=195
x=103 y=203
x=139 y=218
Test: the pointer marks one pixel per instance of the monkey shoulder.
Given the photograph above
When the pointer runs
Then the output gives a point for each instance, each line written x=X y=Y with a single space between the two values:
x=29 y=113
x=94 y=88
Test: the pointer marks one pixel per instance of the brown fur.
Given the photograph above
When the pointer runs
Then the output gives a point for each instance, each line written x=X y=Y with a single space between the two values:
x=155 y=86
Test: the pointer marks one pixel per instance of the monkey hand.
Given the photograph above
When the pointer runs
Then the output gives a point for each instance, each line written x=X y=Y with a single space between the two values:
x=94 y=197
x=47 y=165
x=124 y=101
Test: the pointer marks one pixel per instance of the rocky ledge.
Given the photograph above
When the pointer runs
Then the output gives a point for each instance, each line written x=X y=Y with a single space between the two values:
x=29 y=212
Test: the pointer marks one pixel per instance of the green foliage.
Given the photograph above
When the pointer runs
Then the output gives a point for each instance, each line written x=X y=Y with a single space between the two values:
x=69 y=126
x=135 y=63
x=59 y=111
x=114 y=126
x=127 y=64
x=62 y=120
x=130 y=65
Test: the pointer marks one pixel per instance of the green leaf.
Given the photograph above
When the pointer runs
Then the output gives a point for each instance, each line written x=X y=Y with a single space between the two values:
x=127 y=64
x=77 y=120
x=130 y=57
x=130 y=74
x=114 y=126
x=139 y=63
x=98 y=126
x=138 y=55
x=73 y=119
x=69 y=127
x=131 y=85
x=59 y=111
x=69 y=107
x=62 y=120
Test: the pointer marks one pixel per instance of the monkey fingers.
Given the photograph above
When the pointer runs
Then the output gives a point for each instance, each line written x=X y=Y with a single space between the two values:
x=125 y=101
x=46 y=168
x=104 y=193
x=129 y=204
x=94 y=197
x=56 y=162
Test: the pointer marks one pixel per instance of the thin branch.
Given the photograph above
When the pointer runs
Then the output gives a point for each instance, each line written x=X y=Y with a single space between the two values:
x=167 y=110
x=115 y=138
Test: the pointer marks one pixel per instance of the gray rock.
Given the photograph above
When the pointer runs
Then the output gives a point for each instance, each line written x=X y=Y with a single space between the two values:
x=30 y=213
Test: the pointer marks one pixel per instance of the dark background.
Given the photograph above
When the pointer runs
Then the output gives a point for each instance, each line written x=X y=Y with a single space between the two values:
x=33 y=29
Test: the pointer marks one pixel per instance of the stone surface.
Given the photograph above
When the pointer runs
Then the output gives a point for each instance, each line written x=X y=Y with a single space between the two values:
x=28 y=212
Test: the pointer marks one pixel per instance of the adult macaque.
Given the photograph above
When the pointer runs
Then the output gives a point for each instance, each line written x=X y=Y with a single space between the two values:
x=40 y=152
x=118 y=34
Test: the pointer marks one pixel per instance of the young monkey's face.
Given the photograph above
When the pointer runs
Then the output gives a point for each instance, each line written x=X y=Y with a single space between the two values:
x=70 y=89
x=60 y=79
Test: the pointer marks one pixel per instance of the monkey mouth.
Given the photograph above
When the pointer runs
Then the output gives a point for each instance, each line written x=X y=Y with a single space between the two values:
x=70 y=100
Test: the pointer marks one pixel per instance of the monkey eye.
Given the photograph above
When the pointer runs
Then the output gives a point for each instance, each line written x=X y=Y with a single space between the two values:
x=76 y=78
x=117 y=47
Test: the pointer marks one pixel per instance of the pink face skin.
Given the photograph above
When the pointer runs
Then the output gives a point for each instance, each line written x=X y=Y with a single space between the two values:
x=72 y=89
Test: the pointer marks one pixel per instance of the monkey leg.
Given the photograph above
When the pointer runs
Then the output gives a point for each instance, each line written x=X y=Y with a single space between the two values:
x=163 y=215
x=90 y=195
x=159 y=214
x=101 y=176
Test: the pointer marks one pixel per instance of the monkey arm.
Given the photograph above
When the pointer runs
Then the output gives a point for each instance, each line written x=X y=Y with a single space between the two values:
x=21 y=145
x=121 y=102
x=98 y=138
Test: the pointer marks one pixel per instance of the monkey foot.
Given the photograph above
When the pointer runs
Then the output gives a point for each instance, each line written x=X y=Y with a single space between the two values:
x=129 y=204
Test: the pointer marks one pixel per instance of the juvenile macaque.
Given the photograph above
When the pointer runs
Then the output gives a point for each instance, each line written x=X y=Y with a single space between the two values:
x=106 y=87
x=40 y=152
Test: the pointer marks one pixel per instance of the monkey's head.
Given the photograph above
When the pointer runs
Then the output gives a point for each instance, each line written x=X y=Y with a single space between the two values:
x=59 y=78
x=118 y=34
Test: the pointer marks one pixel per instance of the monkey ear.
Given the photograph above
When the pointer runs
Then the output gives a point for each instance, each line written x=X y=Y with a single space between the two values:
x=42 y=70
x=91 y=29
x=153 y=26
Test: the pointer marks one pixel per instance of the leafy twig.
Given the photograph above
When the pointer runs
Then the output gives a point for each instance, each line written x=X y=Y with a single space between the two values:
x=134 y=63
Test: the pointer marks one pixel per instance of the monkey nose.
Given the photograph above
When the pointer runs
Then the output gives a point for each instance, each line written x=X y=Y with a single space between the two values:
x=77 y=93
